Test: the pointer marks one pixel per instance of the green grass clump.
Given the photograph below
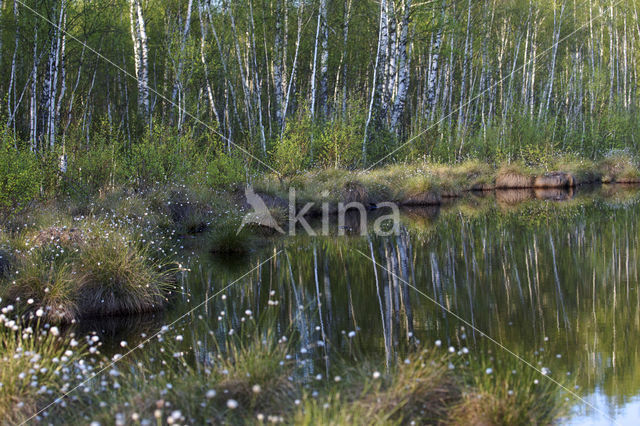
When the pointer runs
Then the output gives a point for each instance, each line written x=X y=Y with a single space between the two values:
x=44 y=284
x=224 y=238
x=119 y=277
x=421 y=184
x=420 y=389
x=63 y=274
x=508 y=394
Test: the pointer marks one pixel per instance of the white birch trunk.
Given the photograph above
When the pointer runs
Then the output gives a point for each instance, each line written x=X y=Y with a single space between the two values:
x=374 y=84
x=33 y=110
x=278 y=70
x=179 y=84
x=403 y=65
x=141 y=56
x=293 y=67
x=315 y=62
x=433 y=66
x=324 y=60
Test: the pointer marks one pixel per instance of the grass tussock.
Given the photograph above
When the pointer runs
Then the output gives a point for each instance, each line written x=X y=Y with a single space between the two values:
x=619 y=167
x=514 y=176
x=99 y=270
x=420 y=389
x=226 y=238
x=43 y=286
x=120 y=278
x=511 y=394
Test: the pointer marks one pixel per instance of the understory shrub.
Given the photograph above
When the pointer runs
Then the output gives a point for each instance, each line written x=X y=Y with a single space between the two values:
x=19 y=174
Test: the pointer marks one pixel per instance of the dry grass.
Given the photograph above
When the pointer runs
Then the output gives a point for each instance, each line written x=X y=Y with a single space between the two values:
x=554 y=180
x=514 y=176
x=430 y=183
x=619 y=167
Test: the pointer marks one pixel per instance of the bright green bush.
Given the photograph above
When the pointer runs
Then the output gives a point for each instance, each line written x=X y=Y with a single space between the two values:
x=291 y=153
x=20 y=175
x=339 y=145
x=224 y=171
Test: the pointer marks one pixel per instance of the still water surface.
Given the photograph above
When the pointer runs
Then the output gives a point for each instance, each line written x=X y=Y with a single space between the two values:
x=552 y=276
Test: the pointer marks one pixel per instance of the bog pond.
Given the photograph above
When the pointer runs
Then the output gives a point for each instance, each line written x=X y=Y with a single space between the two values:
x=551 y=279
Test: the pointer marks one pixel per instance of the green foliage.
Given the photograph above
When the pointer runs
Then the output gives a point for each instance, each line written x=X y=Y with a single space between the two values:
x=160 y=156
x=224 y=171
x=92 y=167
x=339 y=143
x=20 y=173
x=290 y=156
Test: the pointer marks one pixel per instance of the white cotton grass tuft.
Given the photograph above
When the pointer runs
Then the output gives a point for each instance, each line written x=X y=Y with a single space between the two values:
x=232 y=404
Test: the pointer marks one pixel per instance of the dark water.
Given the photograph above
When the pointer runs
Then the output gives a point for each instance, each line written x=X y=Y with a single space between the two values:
x=552 y=276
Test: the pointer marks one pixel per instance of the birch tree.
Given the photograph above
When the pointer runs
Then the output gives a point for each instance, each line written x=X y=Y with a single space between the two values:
x=141 y=56
x=403 y=65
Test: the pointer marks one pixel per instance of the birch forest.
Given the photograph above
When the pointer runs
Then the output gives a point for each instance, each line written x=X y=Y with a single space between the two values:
x=297 y=84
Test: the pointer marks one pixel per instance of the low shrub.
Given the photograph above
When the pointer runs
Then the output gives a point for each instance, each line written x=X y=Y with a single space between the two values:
x=20 y=175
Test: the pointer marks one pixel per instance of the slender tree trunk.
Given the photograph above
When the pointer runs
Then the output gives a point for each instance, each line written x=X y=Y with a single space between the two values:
x=243 y=77
x=33 y=114
x=433 y=66
x=315 y=62
x=465 y=67
x=141 y=56
x=258 y=83
x=229 y=87
x=345 y=66
x=392 y=57
x=293 y=68
x=557 y=24
x=324 y=60
x=278 y=66
x=379 y=65
x=403 y=65
x=12 y=105
x=179 y=85
x=210 y=94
